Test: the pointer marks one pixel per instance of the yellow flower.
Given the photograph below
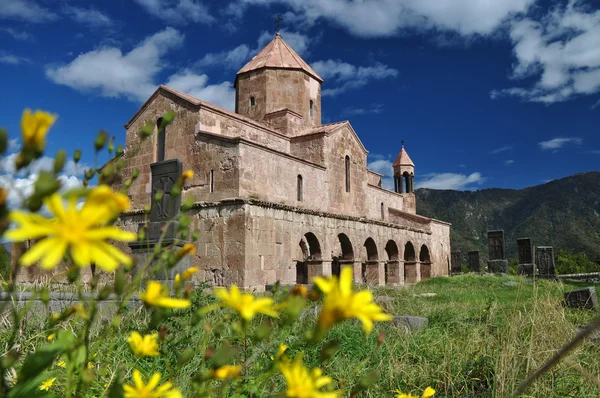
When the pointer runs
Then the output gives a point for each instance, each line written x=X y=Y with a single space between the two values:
x=342 y=303
x=304 y=384
x=244 y=303
x=156 y=295
x=227 y=372
x=90 y=365
x=78 y=308
x=51 y=337
x=280 y=352
x=82 y=231
x=34 y=127
x=47 y=384
x=150 y=390
x=189 y=272
x=429 y=392
x=142 y=346
x=187 y=174
x=299 y=290
x=61 y=364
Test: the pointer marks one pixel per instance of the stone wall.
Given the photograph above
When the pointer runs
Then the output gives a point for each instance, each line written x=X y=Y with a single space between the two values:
x=272 y=247
x=338 y=145
x=210 y=120
x=277 y=89
x=211 y=153
x=273 y=177
x=373 y=178
x=310 y=148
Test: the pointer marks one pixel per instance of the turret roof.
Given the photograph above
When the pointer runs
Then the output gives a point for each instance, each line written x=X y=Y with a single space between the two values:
x=278 y=54
x=403 y=159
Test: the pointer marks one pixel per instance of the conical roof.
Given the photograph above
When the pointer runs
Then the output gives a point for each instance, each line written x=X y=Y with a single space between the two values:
x=403 y=159
x=278 y=54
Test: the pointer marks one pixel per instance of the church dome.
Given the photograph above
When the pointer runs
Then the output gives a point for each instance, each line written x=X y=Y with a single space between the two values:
x=278 y=55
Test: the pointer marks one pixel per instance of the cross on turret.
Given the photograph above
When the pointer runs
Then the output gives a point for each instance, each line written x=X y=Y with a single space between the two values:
x=277 y=23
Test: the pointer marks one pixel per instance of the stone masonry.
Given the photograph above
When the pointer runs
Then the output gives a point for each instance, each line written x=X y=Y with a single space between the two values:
x=279 y=196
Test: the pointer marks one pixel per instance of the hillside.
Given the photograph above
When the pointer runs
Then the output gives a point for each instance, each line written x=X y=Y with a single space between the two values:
x=562 y=213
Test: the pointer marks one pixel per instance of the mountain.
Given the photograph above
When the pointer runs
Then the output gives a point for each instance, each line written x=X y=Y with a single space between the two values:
x=562 y=213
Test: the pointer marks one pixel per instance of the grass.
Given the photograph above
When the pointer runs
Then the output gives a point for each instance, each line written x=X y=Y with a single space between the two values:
x=483 y=339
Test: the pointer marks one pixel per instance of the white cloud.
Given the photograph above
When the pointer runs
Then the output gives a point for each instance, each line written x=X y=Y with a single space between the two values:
x=20 y=184
x=501 y=149
x=450 y=181
x=11 y=59
x=508 y=162
x=111 y=73
x=222 y=94
x=180 y=12
x=561 y=50
x=462 y=166
x=90 y=17
x=594 y=151
x=390 y=17
x=26 y=10
x=383 y=165
x=595 y=105
x=347 y=76
x=234 y=59
x=371 y=109
x=116 y=74
x=557 y=143
x=17 y=34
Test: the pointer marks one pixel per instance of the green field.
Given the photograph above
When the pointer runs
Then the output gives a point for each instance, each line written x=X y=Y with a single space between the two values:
x=482 y=340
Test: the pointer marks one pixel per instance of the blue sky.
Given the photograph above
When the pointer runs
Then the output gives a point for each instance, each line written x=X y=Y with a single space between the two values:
x=484 y=94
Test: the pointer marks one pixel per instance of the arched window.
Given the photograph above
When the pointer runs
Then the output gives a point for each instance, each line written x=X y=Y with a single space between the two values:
x=311 y=107
x=382 y=212
x=160 y=141
x=300 y=187
x=212 y=181
x=252 y=101
x=347 y=173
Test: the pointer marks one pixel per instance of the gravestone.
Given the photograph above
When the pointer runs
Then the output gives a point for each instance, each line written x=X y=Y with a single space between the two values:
x=497 y=262
x=456 y=262
x=545 y=260
x=161 y=229
x=473 y=257
x=582 y=298
x=526 y=260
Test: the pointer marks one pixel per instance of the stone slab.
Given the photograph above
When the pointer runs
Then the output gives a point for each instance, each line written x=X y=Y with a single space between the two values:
x=583 y=298
x=544 y=256
x=164 y=176
x=498 y=266
x=474 y=263
x=410 y=323
x=525 y=250
x=526 y=269
x=496 y=245
x=456 y=262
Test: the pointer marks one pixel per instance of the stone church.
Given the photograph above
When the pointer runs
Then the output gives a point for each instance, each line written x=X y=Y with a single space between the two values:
x=278 y=195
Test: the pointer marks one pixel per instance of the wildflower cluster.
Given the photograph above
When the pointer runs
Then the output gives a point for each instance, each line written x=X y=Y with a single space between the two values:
x=69 y=231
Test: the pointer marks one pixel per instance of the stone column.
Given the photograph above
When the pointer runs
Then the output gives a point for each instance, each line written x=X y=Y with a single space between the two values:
x=315 y=268
x=372 y=274
x=394 y=273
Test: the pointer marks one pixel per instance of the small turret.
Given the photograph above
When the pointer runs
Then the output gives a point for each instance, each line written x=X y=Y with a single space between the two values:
x=404 y=169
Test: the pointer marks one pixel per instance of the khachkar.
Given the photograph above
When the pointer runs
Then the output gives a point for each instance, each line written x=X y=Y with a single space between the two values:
x=497 y=261
x=545 y=261
x=526 y=260
x=474 y=264
x=162 y=227
x=456 y=262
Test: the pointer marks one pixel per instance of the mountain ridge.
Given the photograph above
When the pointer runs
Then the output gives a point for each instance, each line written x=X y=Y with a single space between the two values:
x=564 y=213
